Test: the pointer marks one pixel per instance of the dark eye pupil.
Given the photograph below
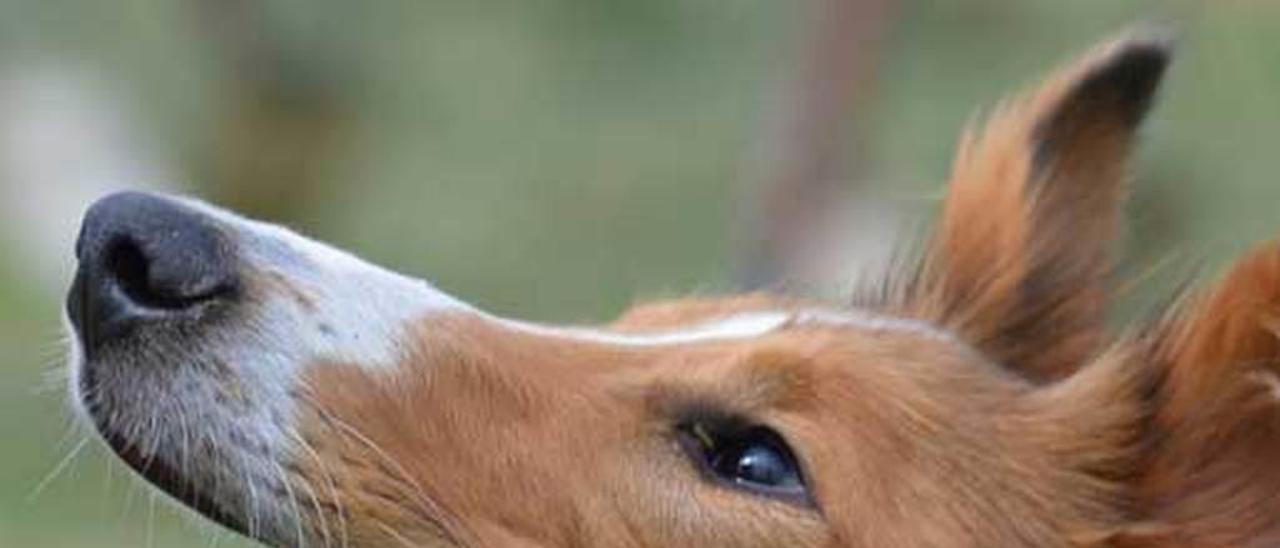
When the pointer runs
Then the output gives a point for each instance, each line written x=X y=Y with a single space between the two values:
x=752 y=458
x=756 y=461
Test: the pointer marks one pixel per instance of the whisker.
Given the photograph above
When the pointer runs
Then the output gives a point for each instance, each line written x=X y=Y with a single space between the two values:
x=130 y=493
x=431 y=512
x=53 y=379
x=155 y=432
x=391 y=532
x=333 y=491
x=325 y=534
x=108 y=475
x=251 y=494
x=293 y=502
x=151 y=520
x=58 y=469
x=184 y=452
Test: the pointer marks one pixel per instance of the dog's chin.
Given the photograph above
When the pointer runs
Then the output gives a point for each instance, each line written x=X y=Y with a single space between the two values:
x=154 y=468
x=167 y=478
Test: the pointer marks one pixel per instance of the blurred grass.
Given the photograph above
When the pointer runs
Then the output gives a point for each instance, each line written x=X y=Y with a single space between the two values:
x=557 y=159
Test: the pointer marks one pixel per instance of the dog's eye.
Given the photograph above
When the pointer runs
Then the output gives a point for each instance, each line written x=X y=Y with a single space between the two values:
x=755 y=459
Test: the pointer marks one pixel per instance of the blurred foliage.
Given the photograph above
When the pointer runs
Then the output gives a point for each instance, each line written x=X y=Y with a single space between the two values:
x=556 y=159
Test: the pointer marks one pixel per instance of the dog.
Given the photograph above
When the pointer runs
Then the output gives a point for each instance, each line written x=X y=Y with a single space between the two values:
x=975 y=397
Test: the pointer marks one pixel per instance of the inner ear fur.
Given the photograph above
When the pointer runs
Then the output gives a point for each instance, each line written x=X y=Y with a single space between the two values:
x=1019 y=261
x=1213 y=472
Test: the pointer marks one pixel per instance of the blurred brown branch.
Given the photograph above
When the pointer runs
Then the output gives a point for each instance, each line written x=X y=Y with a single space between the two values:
x=281 y=119
x=807 y=161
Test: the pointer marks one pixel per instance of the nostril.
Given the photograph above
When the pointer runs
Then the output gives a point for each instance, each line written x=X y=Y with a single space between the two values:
x=157 y=281
x=125 y=262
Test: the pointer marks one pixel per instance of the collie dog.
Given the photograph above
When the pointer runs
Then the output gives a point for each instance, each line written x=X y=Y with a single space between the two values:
x=975 y=397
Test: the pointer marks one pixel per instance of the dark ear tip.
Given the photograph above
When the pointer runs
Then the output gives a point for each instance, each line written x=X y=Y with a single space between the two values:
x=1128 y=72
x=1143 y=52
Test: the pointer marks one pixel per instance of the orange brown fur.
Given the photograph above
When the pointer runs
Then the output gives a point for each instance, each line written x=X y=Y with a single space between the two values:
x=1028 y=425
x=588 y=437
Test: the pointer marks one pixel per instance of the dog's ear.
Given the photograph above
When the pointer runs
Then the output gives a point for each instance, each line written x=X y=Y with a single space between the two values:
x=1212 y=475
x=1019 y=261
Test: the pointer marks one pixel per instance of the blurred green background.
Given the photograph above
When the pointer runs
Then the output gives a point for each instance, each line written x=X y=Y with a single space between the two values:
x=548 y=159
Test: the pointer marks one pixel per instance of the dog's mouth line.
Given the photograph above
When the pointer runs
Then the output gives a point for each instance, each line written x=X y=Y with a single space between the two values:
x=155 y=470
x=167 y=479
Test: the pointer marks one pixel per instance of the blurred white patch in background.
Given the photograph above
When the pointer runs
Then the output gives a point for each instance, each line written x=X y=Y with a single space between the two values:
x=65 y=140
x=852 y=247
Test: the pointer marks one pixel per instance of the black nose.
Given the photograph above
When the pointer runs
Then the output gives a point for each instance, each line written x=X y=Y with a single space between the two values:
x=145 y=258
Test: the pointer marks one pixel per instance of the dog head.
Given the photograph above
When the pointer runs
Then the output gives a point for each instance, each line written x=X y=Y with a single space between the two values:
x=303 y=397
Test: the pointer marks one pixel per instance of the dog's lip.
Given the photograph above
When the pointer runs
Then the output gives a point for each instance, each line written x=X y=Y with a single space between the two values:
x=167 y=479
x=159 y=473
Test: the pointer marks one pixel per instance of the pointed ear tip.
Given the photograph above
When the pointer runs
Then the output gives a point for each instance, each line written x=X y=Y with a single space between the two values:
x=1124 y=74
x=1140 y=54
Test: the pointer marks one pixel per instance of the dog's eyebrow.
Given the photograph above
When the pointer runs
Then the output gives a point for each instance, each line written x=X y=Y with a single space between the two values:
x=739 y=326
